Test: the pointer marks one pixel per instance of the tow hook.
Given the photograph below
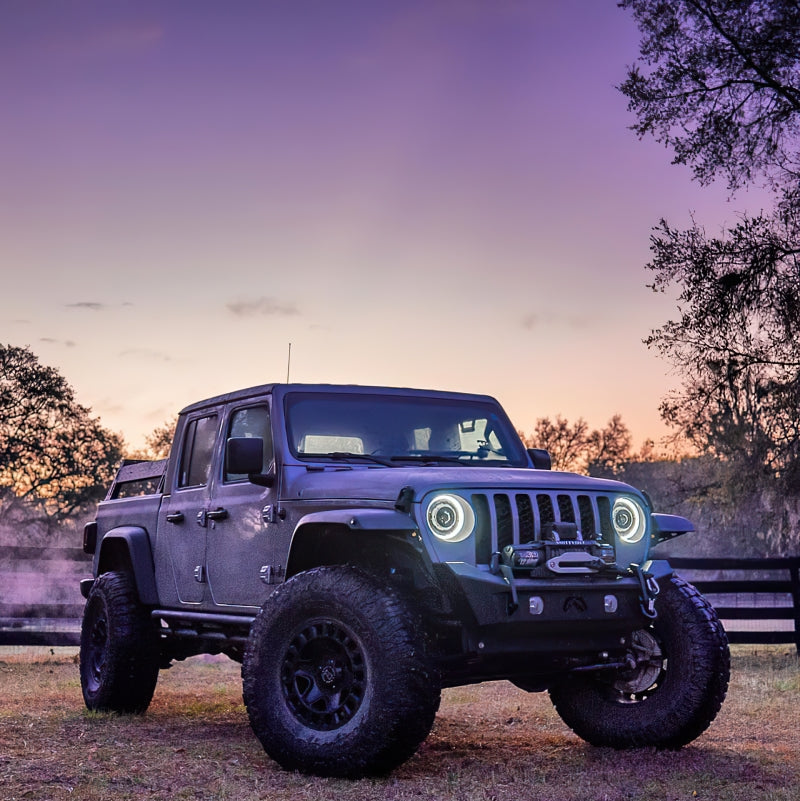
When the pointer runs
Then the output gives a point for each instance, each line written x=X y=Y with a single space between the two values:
x=649 y=591
x=497 y=568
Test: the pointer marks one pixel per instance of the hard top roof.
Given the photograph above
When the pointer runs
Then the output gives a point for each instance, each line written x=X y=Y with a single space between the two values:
x=357 y=389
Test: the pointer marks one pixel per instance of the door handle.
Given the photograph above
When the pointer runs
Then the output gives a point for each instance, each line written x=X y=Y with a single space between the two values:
x=175 y=517
x=217 y=514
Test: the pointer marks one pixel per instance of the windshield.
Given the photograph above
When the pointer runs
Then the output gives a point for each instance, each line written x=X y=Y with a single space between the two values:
x=397 y=429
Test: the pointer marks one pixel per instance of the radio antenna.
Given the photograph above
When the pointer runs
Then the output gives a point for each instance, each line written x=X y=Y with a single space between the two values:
x=288 y=362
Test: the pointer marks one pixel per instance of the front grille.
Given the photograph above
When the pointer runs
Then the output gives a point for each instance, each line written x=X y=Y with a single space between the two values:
x=504 y=518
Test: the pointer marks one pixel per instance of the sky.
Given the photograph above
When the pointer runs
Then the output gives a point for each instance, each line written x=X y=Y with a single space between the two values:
x=432 y=193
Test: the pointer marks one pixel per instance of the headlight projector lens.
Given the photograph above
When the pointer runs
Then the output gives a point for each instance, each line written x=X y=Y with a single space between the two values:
x=629 y=520
x=450 y=518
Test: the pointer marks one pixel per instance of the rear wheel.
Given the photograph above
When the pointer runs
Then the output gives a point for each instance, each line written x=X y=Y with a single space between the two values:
x=673 y=693
x=336 y=677
x=119 y=656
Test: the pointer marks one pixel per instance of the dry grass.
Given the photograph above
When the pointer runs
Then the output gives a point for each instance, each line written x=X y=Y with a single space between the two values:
x=490 y=742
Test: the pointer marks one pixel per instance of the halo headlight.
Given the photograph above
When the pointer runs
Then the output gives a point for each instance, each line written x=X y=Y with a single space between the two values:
x=628 y=518
x=450 y=518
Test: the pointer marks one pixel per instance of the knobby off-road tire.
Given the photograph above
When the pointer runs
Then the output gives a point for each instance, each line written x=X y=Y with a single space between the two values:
x=666 y=703
x=119 y=656
x=336 y=678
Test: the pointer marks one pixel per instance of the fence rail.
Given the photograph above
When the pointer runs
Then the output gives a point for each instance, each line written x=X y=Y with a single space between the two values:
x=40 y=603
x=758 y=595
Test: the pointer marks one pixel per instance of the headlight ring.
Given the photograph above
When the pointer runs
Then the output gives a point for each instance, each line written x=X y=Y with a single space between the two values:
x=450 y=517
x=629 y=520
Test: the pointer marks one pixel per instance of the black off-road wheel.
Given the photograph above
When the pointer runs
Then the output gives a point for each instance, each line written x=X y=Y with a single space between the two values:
x=673 y=694
x=119 y=656
x=336 y=678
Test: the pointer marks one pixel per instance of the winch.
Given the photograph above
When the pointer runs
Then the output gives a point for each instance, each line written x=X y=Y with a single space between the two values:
x=566 y=552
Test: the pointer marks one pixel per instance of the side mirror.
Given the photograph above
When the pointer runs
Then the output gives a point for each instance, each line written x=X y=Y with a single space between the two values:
x=245 y=455
x=540 y=458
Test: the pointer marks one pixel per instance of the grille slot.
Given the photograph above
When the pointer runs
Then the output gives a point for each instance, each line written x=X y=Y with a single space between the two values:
x=547 y=515
x=587 y=517
x=527 y=522
x=604 y=509
x=566 y=511
x=483 y=530
x=505 y=521
x=504 y=518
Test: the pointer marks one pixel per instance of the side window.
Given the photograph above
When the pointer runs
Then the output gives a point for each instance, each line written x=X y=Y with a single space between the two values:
x=251 y=422
x=198 y=450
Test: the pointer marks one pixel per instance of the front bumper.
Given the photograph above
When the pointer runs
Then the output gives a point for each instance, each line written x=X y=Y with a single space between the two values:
x=556 y=617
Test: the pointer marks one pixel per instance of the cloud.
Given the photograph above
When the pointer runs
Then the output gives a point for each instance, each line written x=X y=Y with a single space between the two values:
x=146 y=353
x=86 y=304
x=575 y=322
x=262 y=307
x=91 y=305
x=67 y=343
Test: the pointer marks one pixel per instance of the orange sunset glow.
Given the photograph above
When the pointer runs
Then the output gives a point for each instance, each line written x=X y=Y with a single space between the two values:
x=414 y=193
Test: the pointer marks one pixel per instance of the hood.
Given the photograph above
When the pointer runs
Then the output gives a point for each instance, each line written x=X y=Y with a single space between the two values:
x=360 y=482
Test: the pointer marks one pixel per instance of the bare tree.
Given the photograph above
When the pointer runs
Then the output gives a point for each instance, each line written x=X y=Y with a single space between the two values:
x=159 y=441
x=574 y=447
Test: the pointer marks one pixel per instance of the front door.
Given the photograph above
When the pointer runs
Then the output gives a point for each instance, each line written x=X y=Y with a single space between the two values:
x=244 y=556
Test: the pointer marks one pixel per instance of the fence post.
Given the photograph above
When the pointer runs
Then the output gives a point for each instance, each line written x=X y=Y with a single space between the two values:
x=794 y=572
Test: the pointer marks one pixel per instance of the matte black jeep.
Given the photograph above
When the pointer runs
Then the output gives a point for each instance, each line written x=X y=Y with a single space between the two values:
x=360 y=548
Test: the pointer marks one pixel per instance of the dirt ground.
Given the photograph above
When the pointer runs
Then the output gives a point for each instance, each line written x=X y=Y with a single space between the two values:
x=491 y=742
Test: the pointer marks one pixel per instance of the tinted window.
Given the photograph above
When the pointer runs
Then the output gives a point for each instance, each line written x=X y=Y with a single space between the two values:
x=252 y=422
x=198 y=451
x=397 y=426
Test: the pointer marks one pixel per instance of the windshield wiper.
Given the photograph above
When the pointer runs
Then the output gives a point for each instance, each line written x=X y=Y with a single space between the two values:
x=345 y=456
x=430 y=457
x=465 y=459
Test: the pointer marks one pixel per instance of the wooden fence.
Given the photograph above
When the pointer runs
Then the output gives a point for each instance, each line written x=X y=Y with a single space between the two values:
x=762 y=592
x=40 y=602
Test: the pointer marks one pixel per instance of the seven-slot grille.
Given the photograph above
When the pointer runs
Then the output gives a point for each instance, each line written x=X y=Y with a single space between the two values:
x=514 y=518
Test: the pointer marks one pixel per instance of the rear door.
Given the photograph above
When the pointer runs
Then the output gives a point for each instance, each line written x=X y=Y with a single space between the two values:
x=183 y=517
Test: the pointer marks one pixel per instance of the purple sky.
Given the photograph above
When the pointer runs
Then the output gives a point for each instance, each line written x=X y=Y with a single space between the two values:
x=435 y=193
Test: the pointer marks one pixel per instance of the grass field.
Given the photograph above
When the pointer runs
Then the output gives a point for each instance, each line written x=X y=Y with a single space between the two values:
x=490 y=742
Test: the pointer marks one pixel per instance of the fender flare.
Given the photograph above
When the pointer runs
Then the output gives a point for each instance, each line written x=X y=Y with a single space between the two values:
x=667 y=527
x=360 y=520
x=309 y=530
x=131 y=542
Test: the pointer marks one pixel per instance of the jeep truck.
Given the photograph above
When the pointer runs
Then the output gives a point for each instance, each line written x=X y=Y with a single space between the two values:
x=358 y=549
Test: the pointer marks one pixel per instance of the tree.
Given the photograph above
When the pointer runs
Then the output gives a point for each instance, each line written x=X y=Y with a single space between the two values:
x=737 y=342
x=609 y=448
x=54 y=456
x=159 y=441
x=575 y=448
x=566 y=443
x=719 y=83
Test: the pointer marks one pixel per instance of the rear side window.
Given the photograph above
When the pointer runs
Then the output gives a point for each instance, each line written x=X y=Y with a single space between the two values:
x=198 y=450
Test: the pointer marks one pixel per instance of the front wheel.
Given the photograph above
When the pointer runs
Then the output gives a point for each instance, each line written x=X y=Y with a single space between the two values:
x=119 y=656
x=336 y=677
x=673 y=693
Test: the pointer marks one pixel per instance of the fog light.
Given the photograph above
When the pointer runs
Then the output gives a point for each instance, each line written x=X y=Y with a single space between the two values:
x=610 y=604
x=536 y=605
